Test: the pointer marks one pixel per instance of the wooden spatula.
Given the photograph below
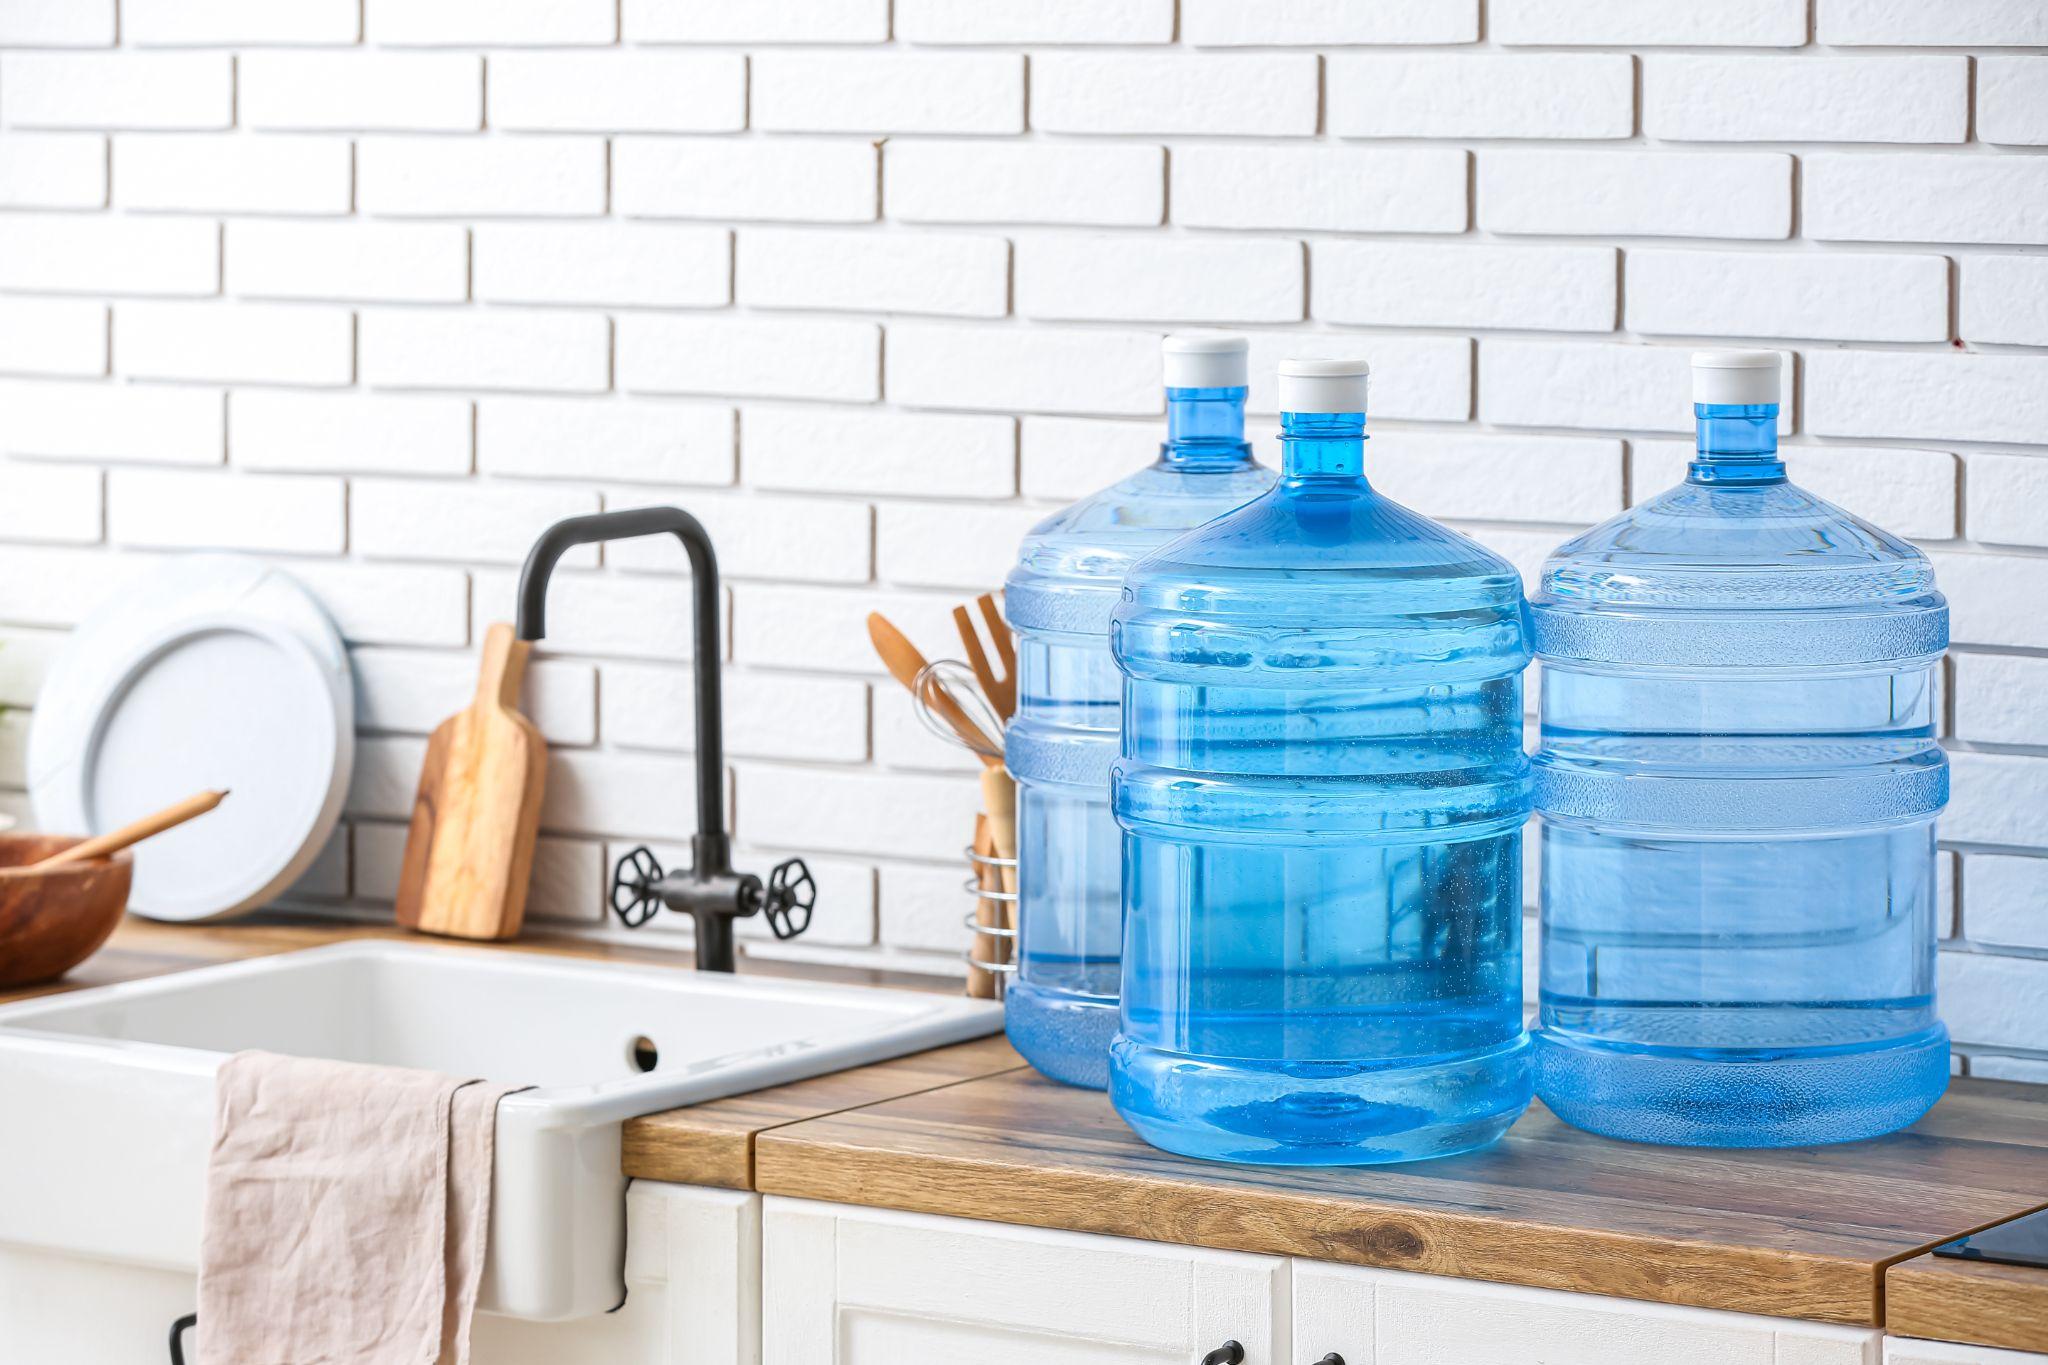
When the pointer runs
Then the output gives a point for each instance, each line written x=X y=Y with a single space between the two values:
x=905 y=662
x=469 y=853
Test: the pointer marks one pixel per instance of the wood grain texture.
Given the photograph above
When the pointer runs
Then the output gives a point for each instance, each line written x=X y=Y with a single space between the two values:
x=53 y=918
x=713 y=1143
x=476 y=815
x=1970 y=1301
x=1800 y=1233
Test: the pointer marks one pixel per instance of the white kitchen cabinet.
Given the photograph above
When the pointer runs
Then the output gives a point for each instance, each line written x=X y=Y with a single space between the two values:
x=1391 y=1317
x=854 y=1286
x=719 y=1277
x=693 y=1297
x=693 y=1291
x=1909 y=1351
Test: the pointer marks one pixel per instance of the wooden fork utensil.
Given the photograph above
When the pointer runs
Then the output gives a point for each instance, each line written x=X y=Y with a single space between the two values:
x=1000 y=691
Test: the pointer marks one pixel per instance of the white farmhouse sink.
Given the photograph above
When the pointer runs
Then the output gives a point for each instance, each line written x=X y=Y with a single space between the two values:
x=106 y=1095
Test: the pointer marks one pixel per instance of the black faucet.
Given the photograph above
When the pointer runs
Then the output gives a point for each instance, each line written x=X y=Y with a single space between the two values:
x=711 y=893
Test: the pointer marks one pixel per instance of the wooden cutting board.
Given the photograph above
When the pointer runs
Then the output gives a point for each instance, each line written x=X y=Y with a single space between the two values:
x=469 y=853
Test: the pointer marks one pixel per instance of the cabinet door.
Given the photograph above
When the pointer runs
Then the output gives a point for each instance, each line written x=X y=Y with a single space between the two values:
x=1391 y=1317
x=1909 y=1351
x=852 y=1286
x=693 y=1297
x=693 y=1291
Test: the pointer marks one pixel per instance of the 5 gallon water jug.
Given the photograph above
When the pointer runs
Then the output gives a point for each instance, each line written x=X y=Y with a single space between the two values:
x=1061 y=1008
x=1322 y=789
x=1738 y=782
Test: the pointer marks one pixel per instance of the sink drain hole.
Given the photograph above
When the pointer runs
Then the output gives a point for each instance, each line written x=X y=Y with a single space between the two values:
x=643 y=1053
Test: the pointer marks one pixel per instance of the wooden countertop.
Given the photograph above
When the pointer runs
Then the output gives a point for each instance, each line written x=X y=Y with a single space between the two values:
x=1833 y=1233
x=1805 y=1233
x=713 y=1143
x=1973 y=1301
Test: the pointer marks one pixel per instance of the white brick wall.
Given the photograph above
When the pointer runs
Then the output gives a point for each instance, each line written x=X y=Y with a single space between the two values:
x=1862 y=297
x=1636 y=193
x=287 y=429
x=1574 y=95
x=1114 y=184
x=442 y=177
x=381 y=286
x=1250 y=93
x=1802 y=99
x=1730 y=23
x=1225 y=23
x=194 y=173
x=53 y=171
x=627 y=265
x=892 y=92
x=102 y=90
x=57 y=23
x=485 y=349
x=2005 y=299
x=71 y=253
x=256 y=343
x=925 y=272
x=1925 y=197
x=792 y=179
x=653 y=92
x=391 y=262
x=205 y=23
x=1126 y=278
x=362 y=91
x=1034 y=21
x=1880 y=23
x=151 y=424
x=767 y=357
x=2012 y=100
x=1406 y=284
x=53 y=336
x=767 y=21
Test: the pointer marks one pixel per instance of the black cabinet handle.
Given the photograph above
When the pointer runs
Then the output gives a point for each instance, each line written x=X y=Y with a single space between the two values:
x=178 y=1337
x=1229 y=1353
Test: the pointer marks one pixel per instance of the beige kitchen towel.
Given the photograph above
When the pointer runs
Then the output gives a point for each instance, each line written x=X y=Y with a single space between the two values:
x=346 y=1211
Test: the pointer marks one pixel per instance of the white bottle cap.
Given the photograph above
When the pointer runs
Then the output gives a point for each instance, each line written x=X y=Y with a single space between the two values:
x=1206 y=360
x=1315 y=385
x=1735 y=378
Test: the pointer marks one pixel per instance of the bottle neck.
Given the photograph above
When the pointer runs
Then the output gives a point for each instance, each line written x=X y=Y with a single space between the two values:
x=1738 y=444
x=1205 y=430
x=1322 y=445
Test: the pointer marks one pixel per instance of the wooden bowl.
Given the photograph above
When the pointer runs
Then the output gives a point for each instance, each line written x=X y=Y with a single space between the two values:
x=52 y=921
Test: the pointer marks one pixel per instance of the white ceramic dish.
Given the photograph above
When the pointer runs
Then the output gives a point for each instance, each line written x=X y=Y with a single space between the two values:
x=218 y=671
x=109 y=1092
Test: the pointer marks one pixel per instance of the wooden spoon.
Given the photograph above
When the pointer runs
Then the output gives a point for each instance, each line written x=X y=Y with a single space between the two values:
x=99 y=846
x=904 y=663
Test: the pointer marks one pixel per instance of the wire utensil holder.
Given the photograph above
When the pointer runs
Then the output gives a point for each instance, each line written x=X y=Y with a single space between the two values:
x=993 y=918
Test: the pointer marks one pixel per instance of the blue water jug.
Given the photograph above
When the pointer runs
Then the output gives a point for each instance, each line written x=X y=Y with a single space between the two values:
x=1061 y=1008
x=1738 y=781
x=1322 y=790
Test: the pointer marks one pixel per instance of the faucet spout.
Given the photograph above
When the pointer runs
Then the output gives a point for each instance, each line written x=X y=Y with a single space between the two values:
x=710 y=892
x=564 y=536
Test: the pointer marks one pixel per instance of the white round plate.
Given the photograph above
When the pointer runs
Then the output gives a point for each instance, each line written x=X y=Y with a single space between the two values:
x=215 y=672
